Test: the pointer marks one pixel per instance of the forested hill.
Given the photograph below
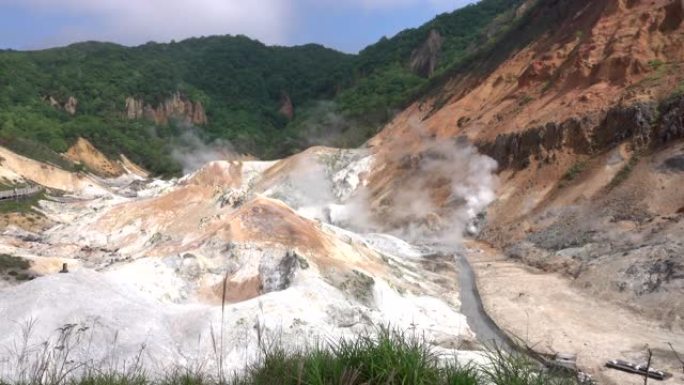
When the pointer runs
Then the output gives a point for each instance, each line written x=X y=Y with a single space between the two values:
x=268 y=101
x=238 y=82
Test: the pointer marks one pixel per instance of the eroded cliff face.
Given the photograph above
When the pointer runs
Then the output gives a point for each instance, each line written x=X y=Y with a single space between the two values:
x=424 y=59
x=178 y=106
x=554 y=67
x=581 y=107
x=608 y=75
x=645 y=126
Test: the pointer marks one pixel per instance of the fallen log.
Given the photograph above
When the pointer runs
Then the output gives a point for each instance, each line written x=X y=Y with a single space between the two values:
x=642 y=370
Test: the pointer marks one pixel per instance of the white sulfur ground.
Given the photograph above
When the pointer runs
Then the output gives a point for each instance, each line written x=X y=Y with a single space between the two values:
x=150 y=304
x=128 y=314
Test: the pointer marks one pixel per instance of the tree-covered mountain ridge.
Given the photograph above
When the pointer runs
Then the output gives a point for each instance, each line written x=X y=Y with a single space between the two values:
x=269 y=101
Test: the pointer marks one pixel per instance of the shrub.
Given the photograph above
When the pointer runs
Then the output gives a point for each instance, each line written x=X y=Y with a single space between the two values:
x=656 y=64
x=573 y=172
x=678 y=92
x=24 y=204
x=10 y=262
x=526 y=100
x=624 y=172
x=15 y=268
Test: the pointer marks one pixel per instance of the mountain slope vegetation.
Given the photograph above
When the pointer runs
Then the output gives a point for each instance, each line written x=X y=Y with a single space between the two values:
x=267 y=101
x=238 y=80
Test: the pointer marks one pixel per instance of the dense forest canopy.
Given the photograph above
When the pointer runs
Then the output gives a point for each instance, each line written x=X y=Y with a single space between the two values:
x=242 y=84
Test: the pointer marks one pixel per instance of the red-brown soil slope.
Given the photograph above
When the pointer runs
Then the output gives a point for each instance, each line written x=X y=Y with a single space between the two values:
x=581 y=106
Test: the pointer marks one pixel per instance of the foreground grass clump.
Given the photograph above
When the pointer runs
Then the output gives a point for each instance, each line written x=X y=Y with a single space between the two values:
x=387 y=358
x=518 y=369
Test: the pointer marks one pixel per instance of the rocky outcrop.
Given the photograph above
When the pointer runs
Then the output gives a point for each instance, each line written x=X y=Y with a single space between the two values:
x=674 y=13
x=70 y=106
x=134 y=108
x=178 y=107
x=671 y=125
x=424 y=59
x=356 y=284
x=52 y=101
x=199 y=116
x=537 y=71
x=84 y=153
x=638 y=123
x=515 y=150
x=277 y=274
x=523 y=8
x=286 y=106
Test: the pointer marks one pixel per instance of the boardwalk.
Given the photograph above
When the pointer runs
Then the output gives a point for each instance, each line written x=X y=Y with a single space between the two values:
x=19 y=192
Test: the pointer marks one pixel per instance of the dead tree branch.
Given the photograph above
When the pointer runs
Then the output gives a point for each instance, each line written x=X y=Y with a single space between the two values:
x=648 y=366
x=681 y=361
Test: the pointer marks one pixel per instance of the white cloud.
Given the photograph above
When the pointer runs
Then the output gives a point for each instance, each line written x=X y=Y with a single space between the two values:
x=138 y=21
x=134 y=22
x=435 y=5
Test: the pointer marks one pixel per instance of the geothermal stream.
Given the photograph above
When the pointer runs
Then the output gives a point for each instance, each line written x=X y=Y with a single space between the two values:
x=486 y=330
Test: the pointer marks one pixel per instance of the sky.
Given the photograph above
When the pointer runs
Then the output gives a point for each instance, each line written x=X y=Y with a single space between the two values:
x=346 y=25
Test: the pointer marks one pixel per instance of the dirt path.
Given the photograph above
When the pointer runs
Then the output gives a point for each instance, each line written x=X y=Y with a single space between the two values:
x=552 y=315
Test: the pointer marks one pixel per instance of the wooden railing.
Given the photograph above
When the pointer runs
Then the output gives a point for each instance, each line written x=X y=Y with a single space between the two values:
x=19 y=192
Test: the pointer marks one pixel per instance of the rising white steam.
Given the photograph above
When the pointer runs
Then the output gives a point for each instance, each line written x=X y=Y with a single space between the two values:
x=437 y=191
x=447 y=185
x=193 y=153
